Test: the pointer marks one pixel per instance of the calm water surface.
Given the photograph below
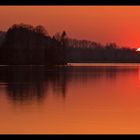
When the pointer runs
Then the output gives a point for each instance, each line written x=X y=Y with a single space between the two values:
x=79 y=98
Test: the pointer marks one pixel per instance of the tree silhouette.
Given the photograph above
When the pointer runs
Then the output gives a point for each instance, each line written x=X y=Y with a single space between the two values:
x=26 y=45
x=87 y=51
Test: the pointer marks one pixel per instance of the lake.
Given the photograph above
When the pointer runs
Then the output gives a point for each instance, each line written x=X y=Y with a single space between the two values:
x=75 y=99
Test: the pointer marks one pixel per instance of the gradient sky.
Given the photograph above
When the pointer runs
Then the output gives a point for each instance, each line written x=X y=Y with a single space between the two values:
x=120 y=24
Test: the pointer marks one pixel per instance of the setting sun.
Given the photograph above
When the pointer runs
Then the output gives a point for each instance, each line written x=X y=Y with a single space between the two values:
x=138 y=49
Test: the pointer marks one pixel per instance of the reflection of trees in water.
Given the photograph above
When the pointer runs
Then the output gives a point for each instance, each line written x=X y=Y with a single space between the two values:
x=34 y=83
x=98 y=72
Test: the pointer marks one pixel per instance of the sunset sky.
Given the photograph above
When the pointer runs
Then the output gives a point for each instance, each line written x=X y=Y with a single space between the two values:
x=120 y=24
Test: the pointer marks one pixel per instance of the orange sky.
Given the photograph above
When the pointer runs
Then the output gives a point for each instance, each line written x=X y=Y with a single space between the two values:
x=120 y=24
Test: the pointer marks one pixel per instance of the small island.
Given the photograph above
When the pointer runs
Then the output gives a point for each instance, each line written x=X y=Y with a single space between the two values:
x=23 y=44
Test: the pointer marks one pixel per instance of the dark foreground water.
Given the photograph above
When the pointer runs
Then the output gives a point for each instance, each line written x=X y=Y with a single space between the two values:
x=80 y=98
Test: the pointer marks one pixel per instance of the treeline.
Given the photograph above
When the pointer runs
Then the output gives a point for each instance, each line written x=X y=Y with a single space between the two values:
x=24 y=44
x=27 y=45
x=79 y=51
